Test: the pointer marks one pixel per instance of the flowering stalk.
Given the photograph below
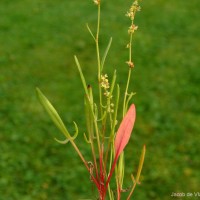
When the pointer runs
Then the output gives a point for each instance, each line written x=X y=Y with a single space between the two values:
x=107 y=143
x=130 y=14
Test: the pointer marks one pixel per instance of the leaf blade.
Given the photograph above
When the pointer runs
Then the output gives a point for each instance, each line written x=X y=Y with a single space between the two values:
x=52 y=113
x=124 y=132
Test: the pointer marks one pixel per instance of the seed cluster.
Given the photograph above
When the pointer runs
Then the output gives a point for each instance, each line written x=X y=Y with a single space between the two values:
x=133 y=9
x=130 y=64
x=104 y=82
x=97 y=2
x=132 y=28
x=105 y=85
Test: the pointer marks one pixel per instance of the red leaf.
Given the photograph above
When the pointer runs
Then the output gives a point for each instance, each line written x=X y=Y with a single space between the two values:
x=122 y=137
x=124 y=132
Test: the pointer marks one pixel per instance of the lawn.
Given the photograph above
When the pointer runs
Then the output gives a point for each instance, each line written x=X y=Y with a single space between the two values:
x=38 y=40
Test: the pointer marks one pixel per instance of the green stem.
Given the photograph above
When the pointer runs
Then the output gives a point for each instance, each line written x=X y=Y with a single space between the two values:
x=94 y=158
x=126 y=91
x=98 y=56
x=113 y=124
x=84 y=161
x=99 y=76
x=129 y=73
x=95 y=125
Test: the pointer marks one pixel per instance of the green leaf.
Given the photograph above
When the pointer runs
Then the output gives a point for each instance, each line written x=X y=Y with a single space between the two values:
x=52 y=113
x=141 y=163
x=88 y=102
x=81 y=75
x=90 y=32
x=105 y=54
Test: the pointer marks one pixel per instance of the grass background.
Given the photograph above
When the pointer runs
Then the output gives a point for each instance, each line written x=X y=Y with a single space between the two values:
x=37 y=42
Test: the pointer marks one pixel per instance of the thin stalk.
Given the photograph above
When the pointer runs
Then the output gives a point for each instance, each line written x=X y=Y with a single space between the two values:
x=95 y=125
x=98 y=56
x=91 y=111
x=94 y=158
x=133 y=188
x=108 y=104
x=129 y=73
x=136 y=181
x=90 y=128
x=113 y=123
x=84 y=161
x=126 y=91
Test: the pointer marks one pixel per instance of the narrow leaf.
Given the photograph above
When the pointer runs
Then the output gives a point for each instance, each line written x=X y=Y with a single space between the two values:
x=90 y=31
x=113 y=82
x=124 y=131
x=129 y=98
x=88 y=102
x=120 y=169
x=136 y=181
x=105 y=54
x=81 y=75
x=52 y=113
x=141 y=163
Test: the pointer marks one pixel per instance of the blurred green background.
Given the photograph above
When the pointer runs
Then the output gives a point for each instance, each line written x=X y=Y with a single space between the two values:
x=37 y=42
